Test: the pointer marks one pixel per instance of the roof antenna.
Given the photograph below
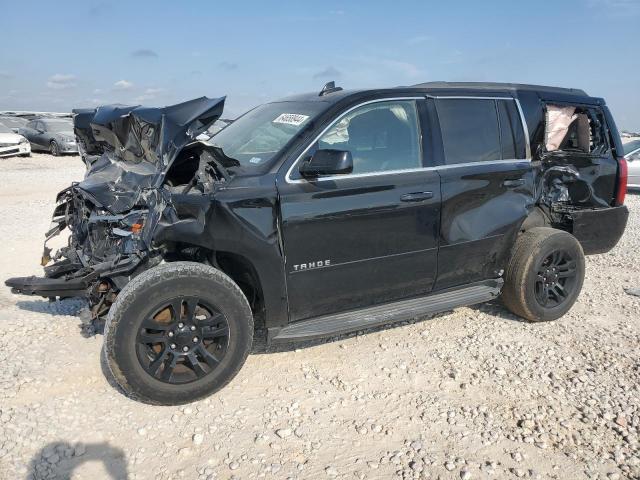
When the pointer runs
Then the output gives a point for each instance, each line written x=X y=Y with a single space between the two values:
x=328 y=88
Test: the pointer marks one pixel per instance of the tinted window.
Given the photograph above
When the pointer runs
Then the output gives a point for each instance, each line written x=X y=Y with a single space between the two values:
x=58 y=126
x=511 y=131
x=470 y=130
x=381 y=136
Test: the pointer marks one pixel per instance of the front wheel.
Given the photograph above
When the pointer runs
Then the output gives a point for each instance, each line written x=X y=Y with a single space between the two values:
x=177 y=332
x=54 y=148
x=545 y=274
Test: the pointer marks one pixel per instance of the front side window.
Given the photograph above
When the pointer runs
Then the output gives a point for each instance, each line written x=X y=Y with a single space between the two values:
x=381 y=136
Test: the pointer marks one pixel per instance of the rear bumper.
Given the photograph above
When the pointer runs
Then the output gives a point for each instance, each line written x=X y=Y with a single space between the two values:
x=599 y=230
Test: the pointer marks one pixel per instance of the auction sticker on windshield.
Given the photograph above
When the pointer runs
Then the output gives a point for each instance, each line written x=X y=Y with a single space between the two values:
x=291 y=119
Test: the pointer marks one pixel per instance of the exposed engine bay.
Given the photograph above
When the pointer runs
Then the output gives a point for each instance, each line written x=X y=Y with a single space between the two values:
x=114 y=214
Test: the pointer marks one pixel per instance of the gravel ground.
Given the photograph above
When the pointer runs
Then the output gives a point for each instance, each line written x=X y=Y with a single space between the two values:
x=473 y=393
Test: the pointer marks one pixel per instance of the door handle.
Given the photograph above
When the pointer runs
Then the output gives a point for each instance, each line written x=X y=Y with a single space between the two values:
x=513 y=183
x=416 y=197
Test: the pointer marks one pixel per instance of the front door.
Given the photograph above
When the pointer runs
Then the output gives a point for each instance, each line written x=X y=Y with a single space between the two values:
x=367 y=237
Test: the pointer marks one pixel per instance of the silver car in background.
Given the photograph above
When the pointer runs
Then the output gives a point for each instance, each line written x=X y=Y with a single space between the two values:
x=54 y=135
x=632 y=155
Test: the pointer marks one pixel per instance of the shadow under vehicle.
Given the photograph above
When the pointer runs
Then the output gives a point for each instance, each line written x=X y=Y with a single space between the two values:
x=327 y=213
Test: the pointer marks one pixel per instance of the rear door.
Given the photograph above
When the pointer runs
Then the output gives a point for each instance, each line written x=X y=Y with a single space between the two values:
x=371 y=236
x=487 y=186
x=40 y=135
x=30 y=132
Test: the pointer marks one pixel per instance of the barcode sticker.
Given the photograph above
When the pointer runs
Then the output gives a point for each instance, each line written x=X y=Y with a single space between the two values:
x=291 y=119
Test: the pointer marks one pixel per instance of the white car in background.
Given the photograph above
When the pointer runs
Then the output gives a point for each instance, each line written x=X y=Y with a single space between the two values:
x=632 y=155
x=13 y=144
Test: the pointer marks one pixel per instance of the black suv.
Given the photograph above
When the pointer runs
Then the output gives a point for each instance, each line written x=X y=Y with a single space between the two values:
x=327 y=213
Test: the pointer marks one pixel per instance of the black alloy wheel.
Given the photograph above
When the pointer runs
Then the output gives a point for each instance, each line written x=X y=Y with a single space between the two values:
x=183 y=341
x=556 y=279
x=544 y=275
x=177 y=332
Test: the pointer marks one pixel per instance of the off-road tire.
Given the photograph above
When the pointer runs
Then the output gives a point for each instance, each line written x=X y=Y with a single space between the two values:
x=530 y=250
x=133 y=304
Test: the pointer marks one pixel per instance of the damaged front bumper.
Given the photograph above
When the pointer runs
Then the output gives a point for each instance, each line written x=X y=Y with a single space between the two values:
x=101 y=246
x=113 y=213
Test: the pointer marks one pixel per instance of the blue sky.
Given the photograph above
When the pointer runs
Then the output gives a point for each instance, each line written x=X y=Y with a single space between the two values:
x=84 y=53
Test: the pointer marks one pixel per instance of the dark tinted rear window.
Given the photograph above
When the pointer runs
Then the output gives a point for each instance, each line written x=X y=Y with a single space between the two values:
x=511 y=131
x=477 y=130
x=469 y=130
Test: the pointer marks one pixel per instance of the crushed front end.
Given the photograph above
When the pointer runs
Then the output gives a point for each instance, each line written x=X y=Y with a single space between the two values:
x=111 y=216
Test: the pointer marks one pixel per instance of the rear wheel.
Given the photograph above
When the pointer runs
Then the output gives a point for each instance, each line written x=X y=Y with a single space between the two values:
x=54 y=148
x=545 y=274
x=177 y=333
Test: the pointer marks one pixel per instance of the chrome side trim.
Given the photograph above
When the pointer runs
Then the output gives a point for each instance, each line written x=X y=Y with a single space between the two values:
x=288 y=178
x=527 y=140
x=409 y=170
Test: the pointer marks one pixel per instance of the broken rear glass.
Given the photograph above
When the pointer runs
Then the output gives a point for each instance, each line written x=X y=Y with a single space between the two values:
x=573 y=128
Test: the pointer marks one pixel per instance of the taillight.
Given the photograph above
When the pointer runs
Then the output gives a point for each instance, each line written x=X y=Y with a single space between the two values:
x=621 y=187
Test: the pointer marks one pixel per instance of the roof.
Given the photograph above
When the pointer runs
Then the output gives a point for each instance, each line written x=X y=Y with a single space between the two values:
x=456 y=88
x=493 y=86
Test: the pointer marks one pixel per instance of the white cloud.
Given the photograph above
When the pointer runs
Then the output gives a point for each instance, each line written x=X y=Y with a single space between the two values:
x=149 y=94
x=61 y=81
x=419 y=39
x=616 y=8
x=123 y=85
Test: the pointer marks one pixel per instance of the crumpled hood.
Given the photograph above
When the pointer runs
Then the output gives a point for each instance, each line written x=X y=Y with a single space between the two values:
x=130 y=148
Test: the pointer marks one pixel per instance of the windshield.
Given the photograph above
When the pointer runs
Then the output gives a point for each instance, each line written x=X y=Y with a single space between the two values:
x=59 y=127
x=631 y=146
x=256 y=137
x=4 y=129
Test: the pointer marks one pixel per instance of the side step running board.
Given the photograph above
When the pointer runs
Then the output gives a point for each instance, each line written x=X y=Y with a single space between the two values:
x=345 y=322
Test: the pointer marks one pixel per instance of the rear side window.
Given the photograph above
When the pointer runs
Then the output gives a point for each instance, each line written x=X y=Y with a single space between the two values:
x=478 y=130
x=511 y=130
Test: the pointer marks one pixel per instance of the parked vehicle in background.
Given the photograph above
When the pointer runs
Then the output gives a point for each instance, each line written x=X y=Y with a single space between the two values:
x=12 y=144
x=14 y=123
x=327 y=213
x=632 y=154
x=54 y=135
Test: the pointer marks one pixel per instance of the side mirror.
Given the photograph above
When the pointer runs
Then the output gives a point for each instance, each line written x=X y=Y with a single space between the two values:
x=328 y=162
